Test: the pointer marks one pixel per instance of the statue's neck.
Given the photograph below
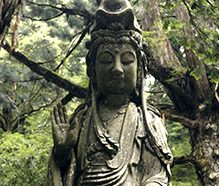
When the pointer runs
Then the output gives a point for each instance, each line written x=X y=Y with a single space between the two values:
x=116 y=100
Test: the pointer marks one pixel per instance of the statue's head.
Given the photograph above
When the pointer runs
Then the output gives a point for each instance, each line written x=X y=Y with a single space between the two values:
x=115 y=60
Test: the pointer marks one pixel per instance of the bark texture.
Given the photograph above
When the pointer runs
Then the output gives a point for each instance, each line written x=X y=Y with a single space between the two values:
x=205 y=149
x=7 y=10
x=195 y=102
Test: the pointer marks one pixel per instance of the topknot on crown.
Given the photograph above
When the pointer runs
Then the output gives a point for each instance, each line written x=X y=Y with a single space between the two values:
x=114 y=5
x=115 y=15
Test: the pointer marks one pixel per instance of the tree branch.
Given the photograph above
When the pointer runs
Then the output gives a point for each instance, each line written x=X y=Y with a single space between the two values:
x=216 y=92
x=45 y=19
x=3 y=122
x=210 y=3
x=75 y=90
x=70 y=11
x=83 y=34
x=186 y=122
x=197 y=26
x=185 y=159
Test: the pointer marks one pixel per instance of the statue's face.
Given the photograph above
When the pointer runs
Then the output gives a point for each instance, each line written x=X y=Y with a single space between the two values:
x=116 y=69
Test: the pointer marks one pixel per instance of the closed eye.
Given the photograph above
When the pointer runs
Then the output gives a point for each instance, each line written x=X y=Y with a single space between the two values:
x=127 y=57
x=127 y=62
x=105 y=58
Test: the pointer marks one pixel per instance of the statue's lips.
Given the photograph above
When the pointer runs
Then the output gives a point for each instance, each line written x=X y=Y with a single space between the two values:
x=117 y=79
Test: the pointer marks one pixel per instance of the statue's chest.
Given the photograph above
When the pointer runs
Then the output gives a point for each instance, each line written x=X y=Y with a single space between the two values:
x=100 y=135
x=107 y=142
x=111 y=131
x=114 y=125
x=107 y=145
x=112 y=120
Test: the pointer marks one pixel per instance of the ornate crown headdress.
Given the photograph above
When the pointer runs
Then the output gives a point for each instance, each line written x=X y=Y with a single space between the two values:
x=116 y=11
x=115 y=19
x=115 y=23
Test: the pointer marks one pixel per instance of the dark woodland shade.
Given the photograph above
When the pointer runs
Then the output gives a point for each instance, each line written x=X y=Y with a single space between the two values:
x=114 y=139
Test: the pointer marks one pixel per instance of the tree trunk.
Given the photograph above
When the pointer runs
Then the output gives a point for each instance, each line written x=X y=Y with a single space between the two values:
x=7 y=10
x=205 y=149
x=193 y=98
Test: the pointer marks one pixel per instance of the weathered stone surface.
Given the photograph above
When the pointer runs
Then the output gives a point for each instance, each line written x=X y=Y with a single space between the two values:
x=113 y=138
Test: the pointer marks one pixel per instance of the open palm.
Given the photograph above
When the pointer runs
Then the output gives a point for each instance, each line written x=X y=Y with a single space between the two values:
x=60 y=126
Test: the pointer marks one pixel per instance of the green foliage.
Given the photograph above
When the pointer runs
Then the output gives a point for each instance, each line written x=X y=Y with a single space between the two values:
x=183 y=175
x=24 y=157
x=178 y=139
x=47 y=43
x=196 y=74
x=215 y=75
x=201 y=36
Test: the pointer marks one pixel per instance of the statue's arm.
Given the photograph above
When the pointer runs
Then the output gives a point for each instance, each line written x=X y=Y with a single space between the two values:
x=64 y=136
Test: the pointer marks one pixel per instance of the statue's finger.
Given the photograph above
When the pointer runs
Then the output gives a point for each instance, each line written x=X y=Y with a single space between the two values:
x=65 y=114
x=60 y=111
x=56 y=115
x=52 y=118
x=54 y=125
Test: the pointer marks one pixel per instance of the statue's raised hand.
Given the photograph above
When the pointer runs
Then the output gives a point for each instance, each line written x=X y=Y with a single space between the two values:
x=60 y=126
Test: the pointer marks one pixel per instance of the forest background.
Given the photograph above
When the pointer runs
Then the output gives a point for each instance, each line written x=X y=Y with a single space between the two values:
x=42 y=61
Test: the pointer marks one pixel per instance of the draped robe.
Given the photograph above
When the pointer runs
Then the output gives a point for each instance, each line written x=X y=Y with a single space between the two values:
x=98 y=159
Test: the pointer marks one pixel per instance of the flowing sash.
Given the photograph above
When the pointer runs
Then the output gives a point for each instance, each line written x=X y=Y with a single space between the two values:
x=116 y=170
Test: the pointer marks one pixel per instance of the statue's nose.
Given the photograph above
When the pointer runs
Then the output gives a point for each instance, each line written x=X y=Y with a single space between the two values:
x=117 y=67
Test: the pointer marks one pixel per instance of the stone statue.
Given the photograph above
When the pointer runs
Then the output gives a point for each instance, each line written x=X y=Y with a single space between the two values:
x=114 y=138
